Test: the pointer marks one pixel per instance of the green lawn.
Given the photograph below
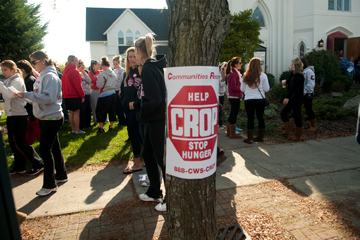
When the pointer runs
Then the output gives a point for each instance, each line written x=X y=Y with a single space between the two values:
x=85 y=149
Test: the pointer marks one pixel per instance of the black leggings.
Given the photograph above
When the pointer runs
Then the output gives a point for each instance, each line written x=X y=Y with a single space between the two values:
x=51 y=153
x=235 y=105
x=252 y=106
x=296 y=108
x=308 y=108
x=154 y=143
x=221 y=101
x=17 y=126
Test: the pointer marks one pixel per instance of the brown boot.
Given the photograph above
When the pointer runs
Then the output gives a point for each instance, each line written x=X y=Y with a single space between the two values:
x=227 y=129
x=297 y=135
x=250 y=136
x=233 y=132
x=313 y=126
x=260 y=137
x=287 y=131
x=21 y=216
x=292 y=123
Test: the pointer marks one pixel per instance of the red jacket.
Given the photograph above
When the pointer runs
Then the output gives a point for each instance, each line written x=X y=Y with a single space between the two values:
x=71 y=83
x=233 y=81
x=94 y=79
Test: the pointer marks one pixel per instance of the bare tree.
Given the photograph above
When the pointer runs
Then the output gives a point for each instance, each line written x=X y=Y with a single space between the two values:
x=197 y=32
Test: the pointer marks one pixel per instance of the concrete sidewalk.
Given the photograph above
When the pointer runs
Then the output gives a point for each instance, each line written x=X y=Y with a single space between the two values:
x=308 y=165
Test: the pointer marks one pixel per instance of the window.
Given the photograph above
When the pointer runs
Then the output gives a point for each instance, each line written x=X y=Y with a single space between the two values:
x=339 y=5
x=120 y=37
x=302 y=50
x=258 y=16
x=129 y=37
x=137 y=35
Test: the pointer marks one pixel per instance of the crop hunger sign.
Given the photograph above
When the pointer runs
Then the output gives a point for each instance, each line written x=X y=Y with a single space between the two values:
x=192 y=115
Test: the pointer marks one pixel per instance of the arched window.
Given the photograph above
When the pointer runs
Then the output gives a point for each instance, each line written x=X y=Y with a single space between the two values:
x=120 y=37
x=258 y=16
x=129 y=37
x=302 y=50
x=137 y=35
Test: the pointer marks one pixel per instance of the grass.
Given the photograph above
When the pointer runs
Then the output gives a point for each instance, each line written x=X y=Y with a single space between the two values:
x=85 y=149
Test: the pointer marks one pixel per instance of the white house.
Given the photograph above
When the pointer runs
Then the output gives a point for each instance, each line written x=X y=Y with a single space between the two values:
x=111 y=31
x=289 y=28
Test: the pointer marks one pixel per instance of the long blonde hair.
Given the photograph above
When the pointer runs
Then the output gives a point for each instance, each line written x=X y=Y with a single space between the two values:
x=127 y=62
x=145 y=45
x=298 y=65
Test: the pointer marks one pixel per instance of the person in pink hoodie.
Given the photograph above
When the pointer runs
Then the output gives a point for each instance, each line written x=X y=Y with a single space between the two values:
x=234 y=94
x=73 y=93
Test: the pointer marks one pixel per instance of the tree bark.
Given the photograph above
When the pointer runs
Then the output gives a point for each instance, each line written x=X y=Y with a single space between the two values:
x=197 y=30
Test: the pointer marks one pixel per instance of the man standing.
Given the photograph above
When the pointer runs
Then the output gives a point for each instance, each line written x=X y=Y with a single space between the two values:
x=73 y=93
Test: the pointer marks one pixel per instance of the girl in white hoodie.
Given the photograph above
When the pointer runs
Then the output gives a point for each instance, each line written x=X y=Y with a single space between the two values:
x=17 y=120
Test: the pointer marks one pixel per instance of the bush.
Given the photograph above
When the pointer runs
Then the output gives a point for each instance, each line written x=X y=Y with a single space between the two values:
x=277 y=93
x=347 y=81
x=270 y=111
x=330 y=112
x=338 y=86
x=327 y=67
x=285 y=75
x=271 y=79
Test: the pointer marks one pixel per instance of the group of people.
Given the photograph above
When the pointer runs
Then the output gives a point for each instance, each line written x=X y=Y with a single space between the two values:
x=349 y=67
x=254 y=84
x=34 y=105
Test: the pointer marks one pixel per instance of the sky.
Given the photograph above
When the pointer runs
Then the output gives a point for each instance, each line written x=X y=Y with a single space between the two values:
x=66 y=29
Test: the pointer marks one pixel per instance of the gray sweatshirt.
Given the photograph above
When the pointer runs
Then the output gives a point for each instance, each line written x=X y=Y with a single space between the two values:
x=47 y=95
x=118 y=72
x=106 y=81
x=13 y=106
x=309 y=83
x=85 y=81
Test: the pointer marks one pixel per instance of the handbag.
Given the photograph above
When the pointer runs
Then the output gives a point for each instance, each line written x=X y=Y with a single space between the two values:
x=266 y=102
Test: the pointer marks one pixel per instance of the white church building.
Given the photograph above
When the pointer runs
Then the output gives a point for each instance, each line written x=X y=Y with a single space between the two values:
x=289 y=28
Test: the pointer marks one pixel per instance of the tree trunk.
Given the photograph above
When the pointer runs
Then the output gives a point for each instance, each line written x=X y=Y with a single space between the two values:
x=197 y=30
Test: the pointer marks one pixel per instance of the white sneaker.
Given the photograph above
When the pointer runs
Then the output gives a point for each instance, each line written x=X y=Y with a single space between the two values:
x=146 y=198
x=46 y=191
x=146 y=183
x=222 y=127
x=161 y=207
x=61 y=181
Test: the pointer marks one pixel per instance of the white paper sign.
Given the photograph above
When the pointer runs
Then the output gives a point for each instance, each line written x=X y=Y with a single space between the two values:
x=192 y=121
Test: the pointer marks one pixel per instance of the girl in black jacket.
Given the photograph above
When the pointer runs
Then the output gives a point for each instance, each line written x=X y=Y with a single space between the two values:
x=294 y=100
x=130 y=89
x=152 y=110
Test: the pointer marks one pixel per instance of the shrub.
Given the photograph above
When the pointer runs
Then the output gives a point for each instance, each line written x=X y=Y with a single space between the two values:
x=271 y=79
x=347 y=81
x=338 y=86
x=327 y=67
x=330 y=112
x=271 y=111
x=317 y=90
x=285 y=75
x=277 y=93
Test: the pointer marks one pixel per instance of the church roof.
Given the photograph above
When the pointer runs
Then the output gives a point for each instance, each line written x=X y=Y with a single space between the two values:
x=98 y=20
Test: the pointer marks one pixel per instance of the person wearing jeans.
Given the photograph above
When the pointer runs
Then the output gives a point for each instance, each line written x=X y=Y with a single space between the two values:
x=234 y=95
x=46 y=99
x=254 y=85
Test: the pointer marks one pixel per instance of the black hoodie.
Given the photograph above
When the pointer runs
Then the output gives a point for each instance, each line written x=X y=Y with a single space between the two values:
x=153 y=105
x=295 y=88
